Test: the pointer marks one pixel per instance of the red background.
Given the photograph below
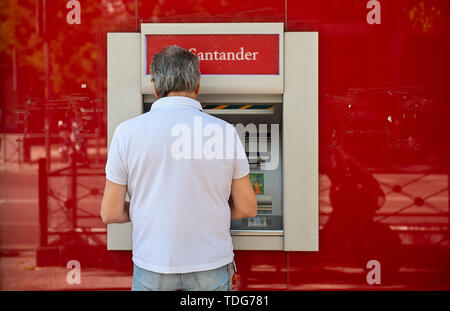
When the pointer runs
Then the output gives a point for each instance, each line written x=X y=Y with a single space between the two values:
x=383 y=102
x=266 y=61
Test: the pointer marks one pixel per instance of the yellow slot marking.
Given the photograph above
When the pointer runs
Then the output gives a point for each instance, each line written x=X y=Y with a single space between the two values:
x=245 y=107
x=221 y=106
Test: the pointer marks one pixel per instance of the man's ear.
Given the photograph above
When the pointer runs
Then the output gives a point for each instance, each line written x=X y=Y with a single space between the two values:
x=198 y=88
x=154 y=88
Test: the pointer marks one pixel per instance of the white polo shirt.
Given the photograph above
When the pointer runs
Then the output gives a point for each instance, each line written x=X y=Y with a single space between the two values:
x=178 y=168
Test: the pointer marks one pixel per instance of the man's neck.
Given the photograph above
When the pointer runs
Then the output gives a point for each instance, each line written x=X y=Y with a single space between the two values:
x=180 y=93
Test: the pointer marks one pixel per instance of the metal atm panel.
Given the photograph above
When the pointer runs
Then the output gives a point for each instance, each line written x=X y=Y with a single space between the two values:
x=288 y=203
x=258 y=120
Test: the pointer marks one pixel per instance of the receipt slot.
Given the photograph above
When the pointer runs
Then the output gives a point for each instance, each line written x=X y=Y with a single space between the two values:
x=262 y=80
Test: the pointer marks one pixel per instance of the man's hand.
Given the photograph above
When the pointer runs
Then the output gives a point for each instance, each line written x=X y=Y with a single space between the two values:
x=114 y=209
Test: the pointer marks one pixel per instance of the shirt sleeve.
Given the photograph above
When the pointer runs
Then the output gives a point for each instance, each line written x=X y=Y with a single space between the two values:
x=241 y=167
x=115 y=167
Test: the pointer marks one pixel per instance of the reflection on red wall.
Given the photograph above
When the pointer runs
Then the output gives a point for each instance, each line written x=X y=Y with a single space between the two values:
x=384 y=133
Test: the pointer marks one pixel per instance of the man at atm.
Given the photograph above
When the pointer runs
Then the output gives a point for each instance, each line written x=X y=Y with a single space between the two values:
x=182 y=199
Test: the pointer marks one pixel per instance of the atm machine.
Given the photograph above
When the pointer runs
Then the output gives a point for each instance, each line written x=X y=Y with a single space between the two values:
x=262 y=80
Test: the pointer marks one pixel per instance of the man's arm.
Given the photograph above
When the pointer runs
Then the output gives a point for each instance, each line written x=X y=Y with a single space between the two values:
x=114 y=209
x=242 y=201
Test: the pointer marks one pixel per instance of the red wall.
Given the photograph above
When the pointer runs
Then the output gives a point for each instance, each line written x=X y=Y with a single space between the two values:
x=384 y=142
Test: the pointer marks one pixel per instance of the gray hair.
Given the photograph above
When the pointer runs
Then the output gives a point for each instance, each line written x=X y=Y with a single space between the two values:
x=174 y=69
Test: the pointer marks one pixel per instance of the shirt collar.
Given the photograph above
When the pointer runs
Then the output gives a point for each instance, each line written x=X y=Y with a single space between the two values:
x=176 y=101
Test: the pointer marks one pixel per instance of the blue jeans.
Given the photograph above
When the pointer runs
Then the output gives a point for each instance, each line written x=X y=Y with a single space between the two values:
x=219 y=279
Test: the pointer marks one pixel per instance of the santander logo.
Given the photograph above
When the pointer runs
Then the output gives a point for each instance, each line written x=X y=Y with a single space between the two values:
x=224 y=54
x=239 y=55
